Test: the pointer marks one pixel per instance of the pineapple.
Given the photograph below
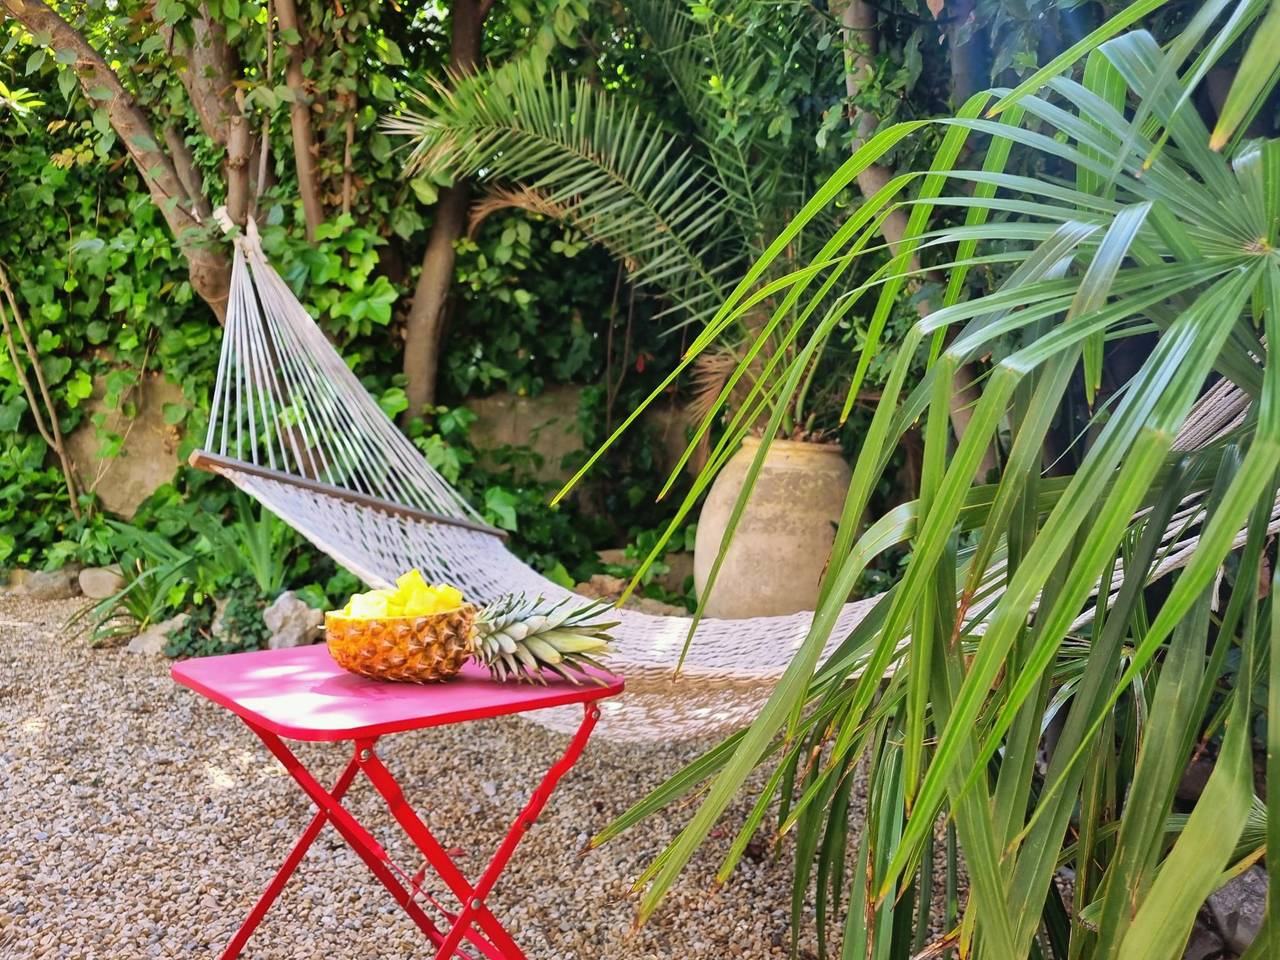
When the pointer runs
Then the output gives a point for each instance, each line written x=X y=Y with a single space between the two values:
x=418 y=649
x=519 y=638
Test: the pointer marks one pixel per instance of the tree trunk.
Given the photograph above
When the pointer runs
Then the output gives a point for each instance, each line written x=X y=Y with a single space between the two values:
x=426 y=314
x=858 y=19
x=304 y=150
x=209 y=268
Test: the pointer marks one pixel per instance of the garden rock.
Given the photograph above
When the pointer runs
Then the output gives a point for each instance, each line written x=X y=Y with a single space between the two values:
x=51 y=584
x=15 y=581
x=149 y=455
x=152 y=640
x=99 y=583
x=1238 y=908
x=604 y=587
x=291 y=621
x=1203 y=945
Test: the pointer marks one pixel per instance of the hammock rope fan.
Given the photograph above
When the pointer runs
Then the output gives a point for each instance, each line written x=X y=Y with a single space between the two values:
x=292 y=427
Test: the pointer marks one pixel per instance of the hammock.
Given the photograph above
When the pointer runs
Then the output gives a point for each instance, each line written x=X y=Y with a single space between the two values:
x=292 y=427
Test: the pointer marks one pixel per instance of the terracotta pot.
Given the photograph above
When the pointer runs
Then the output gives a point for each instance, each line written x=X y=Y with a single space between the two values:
x=782 y=542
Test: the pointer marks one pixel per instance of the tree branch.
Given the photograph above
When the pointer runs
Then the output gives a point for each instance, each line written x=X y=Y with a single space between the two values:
x=209 y=77
x=185 y=165
x=52 y=433
x=304 y=149
x=425 y=321
x=858 y=20
x=210 y=270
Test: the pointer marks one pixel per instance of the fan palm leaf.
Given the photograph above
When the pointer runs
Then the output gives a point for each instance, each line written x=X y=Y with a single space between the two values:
x=1138 y=229
x=605 y=166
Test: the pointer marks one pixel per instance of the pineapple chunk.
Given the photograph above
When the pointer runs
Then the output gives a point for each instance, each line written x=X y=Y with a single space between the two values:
x=412 y=597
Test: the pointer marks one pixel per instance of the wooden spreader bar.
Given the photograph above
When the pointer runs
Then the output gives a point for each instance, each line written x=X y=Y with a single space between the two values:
x=215 y=463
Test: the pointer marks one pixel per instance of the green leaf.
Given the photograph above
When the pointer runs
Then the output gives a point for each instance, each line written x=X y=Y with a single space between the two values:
x=174 y=413
x=500 y=505
x=425 y=190
x=382 y=87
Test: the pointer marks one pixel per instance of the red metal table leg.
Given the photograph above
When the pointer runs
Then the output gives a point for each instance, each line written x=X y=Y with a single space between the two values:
x=474 y=910
x=288 y=867
x=360 y=840
x=489 y=937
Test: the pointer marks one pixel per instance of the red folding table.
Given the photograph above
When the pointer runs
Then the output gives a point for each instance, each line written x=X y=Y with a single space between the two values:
x=301 y=694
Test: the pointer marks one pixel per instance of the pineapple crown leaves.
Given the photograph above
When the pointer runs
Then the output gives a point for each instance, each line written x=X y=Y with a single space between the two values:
x=521 y=638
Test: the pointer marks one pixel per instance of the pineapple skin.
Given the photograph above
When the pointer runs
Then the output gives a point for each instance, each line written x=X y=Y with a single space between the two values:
x=422 y=649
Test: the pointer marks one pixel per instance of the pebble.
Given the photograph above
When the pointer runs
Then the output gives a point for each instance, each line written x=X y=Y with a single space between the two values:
x=143 y=820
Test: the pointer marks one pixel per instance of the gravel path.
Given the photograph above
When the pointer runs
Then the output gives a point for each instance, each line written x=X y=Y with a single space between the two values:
x=139 y=820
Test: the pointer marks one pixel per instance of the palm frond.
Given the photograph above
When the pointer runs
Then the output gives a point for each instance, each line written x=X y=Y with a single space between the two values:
x=601 y=164
x=1150 y=233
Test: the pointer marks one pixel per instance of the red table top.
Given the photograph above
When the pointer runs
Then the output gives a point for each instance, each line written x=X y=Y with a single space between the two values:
x=300 y=693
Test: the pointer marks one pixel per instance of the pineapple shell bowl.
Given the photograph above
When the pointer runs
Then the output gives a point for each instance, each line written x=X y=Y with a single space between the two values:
x=418 y=649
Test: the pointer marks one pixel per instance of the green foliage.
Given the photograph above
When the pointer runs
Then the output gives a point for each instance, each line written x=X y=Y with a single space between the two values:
x=240 y=626
x=519 y=321
x=502 y=485
x=1048 y=592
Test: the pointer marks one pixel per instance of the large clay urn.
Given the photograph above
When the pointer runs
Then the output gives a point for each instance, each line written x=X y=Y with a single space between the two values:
x=781 y=545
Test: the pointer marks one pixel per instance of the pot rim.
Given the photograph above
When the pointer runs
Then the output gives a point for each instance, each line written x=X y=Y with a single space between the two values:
x=809 y=445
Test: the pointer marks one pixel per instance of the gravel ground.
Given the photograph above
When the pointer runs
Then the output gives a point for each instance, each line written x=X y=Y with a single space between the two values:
x=137 y=819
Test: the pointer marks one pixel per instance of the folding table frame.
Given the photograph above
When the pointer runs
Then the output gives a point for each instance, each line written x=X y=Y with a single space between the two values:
x=301 y=696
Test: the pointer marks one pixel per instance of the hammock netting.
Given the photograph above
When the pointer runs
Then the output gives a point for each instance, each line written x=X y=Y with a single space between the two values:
x=293 y=427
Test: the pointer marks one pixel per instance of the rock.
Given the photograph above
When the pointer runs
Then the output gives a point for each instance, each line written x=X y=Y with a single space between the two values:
x=52 y=584
x=601 y=586
x=17 y=579
x=98 y=583
x=613 y=557
x=1203 y=945
x=149 y=455
x=152 y=640
x=216 y=627
x=655 y=607
x=547 y=423
x=604 y=587
x=291 y=621
x=679 y=569
x=1238 y=908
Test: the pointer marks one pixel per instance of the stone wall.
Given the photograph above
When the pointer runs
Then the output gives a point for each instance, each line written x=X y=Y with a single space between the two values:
x=149 y=457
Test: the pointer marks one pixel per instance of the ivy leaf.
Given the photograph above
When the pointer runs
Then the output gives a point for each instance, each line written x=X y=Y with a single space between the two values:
x=500 y=503
x=170 y=11
x=174 y=413
x=393 y=401
x=55 y=368
x=558 y=574
x=80 y=387
x=382 y=87
x=390 y=52
x=97 y=332
x=405 y=222
x=424 y=189
x=11 y=414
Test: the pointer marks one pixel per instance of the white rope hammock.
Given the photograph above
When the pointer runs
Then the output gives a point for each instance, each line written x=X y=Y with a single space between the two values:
x=292 y=426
